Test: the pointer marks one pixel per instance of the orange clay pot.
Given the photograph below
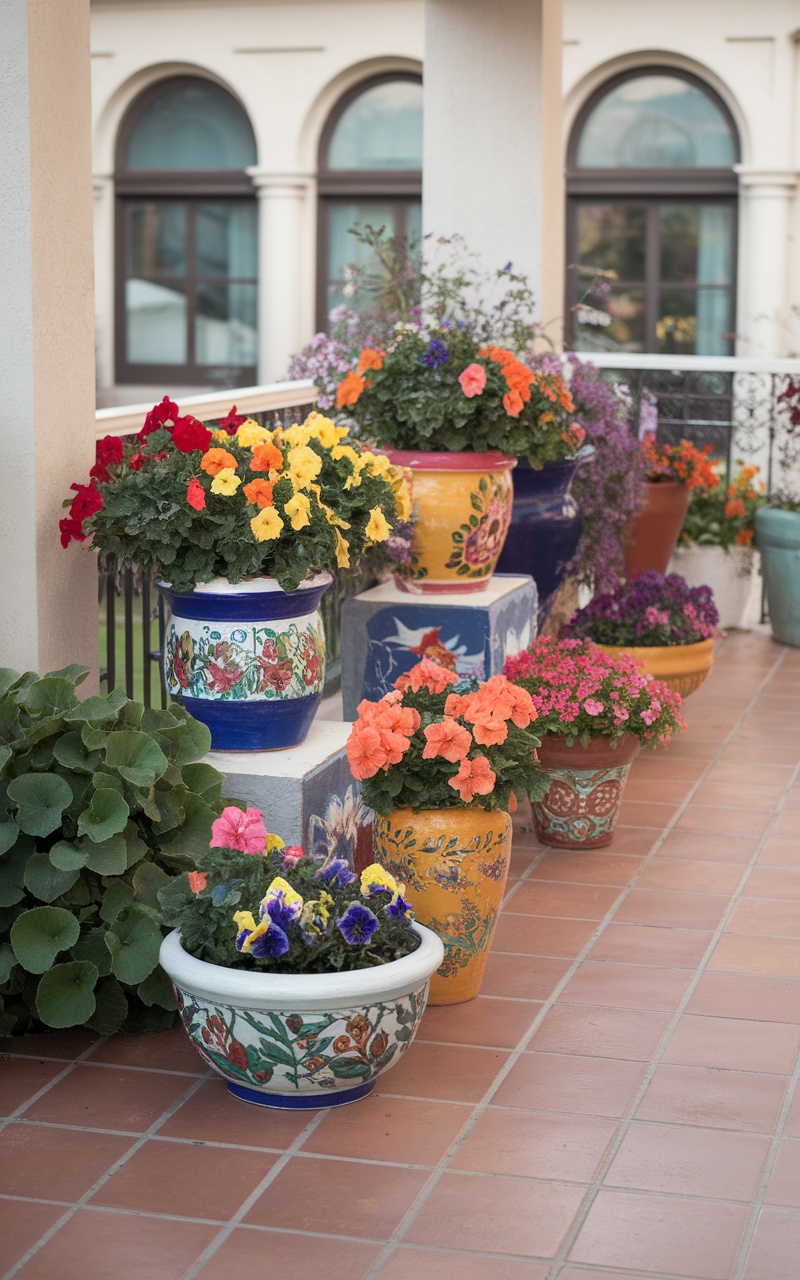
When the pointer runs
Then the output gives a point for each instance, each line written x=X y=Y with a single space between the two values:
x=462 y=504
x=454 y=864
x=653 y=532
x=683 y=667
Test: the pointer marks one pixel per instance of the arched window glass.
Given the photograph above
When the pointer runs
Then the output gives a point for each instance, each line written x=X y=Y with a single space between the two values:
x=370 y=173
x=186 y=239
x=651 y=218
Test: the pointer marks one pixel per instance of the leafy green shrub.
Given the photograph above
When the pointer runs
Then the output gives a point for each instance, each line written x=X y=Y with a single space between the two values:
x=101 y=802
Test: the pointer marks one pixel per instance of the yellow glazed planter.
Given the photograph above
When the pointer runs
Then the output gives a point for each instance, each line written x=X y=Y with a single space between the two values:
x=683 y=667
x=454 y=864
x=462 y=503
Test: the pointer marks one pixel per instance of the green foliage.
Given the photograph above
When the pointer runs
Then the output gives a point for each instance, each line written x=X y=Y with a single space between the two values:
x=101 y=804
x=724 y=517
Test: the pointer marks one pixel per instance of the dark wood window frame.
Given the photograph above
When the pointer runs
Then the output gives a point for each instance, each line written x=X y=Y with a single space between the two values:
x=347 y=185
x=161 y=184
x=649 y=188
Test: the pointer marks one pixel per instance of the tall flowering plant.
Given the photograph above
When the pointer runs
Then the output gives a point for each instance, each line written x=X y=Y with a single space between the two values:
x=442 y=388
x=581 y=693
x=650 y=610
x=253 y=903
x=725 y=517
x=237 y=502
x=684 y=462
x=437 y=742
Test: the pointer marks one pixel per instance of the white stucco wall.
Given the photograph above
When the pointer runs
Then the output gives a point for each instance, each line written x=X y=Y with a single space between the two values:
x=288 y=61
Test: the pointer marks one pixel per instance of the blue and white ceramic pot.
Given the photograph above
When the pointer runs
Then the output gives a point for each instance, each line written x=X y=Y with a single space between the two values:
x=582 y=803
x=301 y=1041
x=546 y=525
x=247 y=659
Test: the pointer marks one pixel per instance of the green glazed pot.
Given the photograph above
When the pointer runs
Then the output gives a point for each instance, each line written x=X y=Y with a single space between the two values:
x=778 y=540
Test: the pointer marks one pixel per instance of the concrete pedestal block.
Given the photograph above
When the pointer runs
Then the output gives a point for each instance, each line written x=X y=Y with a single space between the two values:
x=306 y=793
x=386 y=631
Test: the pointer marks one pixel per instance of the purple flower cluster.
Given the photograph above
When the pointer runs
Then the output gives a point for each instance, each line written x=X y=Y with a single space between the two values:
x=434 y=354
x=651 y=610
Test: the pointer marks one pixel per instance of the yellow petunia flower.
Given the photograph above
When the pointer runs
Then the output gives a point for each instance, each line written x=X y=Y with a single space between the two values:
x=402 y=501
x=342 y=551
x=302 y=465
x=251 y=434
x=333 y=519
x=225 y=482
x=266 y=525
x=324 y=429
x=221 y=436
x=377 y=463
x=378 y=528
x=298 y=509
x=296 y=436
x=346 y=451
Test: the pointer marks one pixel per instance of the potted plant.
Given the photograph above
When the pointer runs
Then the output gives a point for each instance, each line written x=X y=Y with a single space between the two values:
x=778 y=540
x=242 y=525
x=101 y=803
x=716 y=546
x=594 y=713
x=298 y=981
x=673 y=473
x=667 y=626
x=439 y=760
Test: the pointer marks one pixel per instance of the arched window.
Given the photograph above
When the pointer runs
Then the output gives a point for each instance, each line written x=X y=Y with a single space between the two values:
x=370 y=173
x=186 y=238
x=651 y=218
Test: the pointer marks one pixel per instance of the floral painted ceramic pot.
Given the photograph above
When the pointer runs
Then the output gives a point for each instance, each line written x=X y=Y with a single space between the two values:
x=683 y=667
x=462 y=505
x=581 y=806
x=301 y=1041
x=654 y=530
x=248 y=660
x=454 y=864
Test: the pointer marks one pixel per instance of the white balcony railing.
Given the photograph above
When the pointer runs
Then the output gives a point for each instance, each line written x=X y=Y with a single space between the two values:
x=273 y=397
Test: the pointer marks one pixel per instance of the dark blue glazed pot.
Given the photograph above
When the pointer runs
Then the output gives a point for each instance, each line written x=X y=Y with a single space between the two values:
x=546 y=525
x=247 y=660
x=778 y=540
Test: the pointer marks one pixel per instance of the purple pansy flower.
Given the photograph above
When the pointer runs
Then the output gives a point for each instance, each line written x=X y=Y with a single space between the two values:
x=434 y=354
x=358 y=924
x=337 y=872
x=399 y=908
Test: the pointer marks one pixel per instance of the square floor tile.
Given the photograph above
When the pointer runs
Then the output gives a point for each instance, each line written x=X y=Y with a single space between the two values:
x=158 y=1050
x=739 y=795
x=792 y=1125
x=338 y=1197
x=626 y=986
x=24 y=1223
x=400 y=1130
x=498 y=1024
x=680 y=875
x=672 y=910
x=523 y=977
x=212 y=1114
x=745 y=822
x=595 y=867
x=454 y=1073
x=110 y=1098
x=583 y=1086
x=496 y=1215
x=780 y=851
x=784 y=1183
x=55 y=1164
x=186 y=1179
x=775 y=918
x=600 y=1033
x=55 y=1044
x=690 y=1162
x=772 y=882
x=652 y=945
x=697 y=1239
x=426 y=1264
x=96 y=1244
x=244 y=1252
x=735 y=1044
x=530 y=1144
x=716 y=1099
x=696 y=846
x=736 y=995
x=746 y=953
x=21 y=1078
x=541 y=935
x=775 y=1248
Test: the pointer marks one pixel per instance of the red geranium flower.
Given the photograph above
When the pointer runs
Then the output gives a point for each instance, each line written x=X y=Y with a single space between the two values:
x=188 y=435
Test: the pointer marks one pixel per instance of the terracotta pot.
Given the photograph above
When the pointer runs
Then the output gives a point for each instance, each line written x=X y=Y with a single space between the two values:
x=454 y=864
x=683 y=667
x=653 y=532
x=462 y=503
x=582 y=804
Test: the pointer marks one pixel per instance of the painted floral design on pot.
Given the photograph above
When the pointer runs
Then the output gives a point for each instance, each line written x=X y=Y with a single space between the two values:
x=581 y=807
x=454 y=864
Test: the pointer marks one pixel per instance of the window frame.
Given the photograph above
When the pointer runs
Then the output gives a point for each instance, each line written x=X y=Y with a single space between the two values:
x=193 y=187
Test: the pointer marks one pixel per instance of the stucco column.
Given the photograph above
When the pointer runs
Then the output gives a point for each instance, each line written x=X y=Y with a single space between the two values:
x=103 y=189
x=48 y=596
x=767 y=196
x=282 y=211
x=492 y=167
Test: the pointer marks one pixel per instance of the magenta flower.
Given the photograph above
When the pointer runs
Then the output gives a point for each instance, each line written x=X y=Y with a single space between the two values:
x=592 y=707
x=236 y=830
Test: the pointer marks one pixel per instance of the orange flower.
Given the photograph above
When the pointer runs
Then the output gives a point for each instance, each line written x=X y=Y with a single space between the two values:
x=744 y=537
x=370 y=358
x=490 y=730
x=266 y=458
x=734 y=508
x=365 y=751
x=349 y=390
x=426 y=674
x=216 y=460
x=474 y=778
x=197 y=881
x=449 y=739
x=259 y=491
x=513 y=403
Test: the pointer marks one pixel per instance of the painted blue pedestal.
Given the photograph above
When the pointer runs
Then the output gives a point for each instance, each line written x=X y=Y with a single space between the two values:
x=385 y=632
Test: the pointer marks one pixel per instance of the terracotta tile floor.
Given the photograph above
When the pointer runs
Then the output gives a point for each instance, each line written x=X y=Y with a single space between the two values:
x=619 y=1103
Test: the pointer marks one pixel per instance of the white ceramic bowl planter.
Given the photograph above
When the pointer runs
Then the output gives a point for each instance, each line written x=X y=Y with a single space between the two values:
x=302 y=1041
x=732 y=575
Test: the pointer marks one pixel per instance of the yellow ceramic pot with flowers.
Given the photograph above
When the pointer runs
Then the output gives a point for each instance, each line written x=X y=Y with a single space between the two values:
x=682 y=667
x=454 y=864
x=462 y=504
